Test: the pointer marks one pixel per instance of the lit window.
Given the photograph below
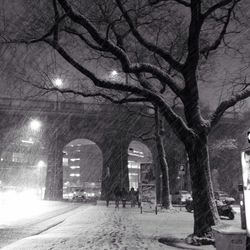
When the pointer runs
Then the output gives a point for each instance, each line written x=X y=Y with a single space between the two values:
x=74 y=167
x=133 y=174
x=132 y=164
x=136 y=154
x=75 y=159
x=65 y=161
x=74 y=175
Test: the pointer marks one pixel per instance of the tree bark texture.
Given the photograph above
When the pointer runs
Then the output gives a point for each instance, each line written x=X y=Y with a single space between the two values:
x=205 y=211
x=165 y=192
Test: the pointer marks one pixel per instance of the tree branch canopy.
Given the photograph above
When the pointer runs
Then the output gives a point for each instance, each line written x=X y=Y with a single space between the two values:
x=217 y=6
x=174 y=120
x=226 y=104
x=150 y=46
x=107 y=45
x=143 y=39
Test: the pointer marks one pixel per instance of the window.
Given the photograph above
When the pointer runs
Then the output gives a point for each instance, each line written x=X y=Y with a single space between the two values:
x=74 y=167
x=74 y=175
x=65 y=162
x=19 y=157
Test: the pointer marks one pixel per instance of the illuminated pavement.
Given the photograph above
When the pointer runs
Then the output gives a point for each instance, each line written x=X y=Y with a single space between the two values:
x=102 y=228
x=22 y=216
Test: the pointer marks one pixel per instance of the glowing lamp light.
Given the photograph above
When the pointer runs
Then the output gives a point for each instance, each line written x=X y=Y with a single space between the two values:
x=41 y=164
x=114 y=73
x=35 y=125
x=58 y=82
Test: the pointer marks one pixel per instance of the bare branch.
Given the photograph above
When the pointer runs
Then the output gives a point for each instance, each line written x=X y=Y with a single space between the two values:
x=56 y=17
x=217 y=6
x=183 y=2
x=95 y=94
x=215 y=117
x=175 y=121
x=150 y=46
x=98 y=82
x=40 y=39
x=128 y=67
x=222 y=34
x=84 y=39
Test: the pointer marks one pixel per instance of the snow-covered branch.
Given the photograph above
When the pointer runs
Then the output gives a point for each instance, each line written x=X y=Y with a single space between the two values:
x=150 y=46
x=226 y=104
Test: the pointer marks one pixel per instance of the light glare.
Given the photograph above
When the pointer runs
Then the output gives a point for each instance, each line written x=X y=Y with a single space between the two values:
x=114 y=73
x=41 y=164
x=35 y=125
x=58 y=82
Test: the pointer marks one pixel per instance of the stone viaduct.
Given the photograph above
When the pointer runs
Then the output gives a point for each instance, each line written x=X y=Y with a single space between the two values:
x=111 y=127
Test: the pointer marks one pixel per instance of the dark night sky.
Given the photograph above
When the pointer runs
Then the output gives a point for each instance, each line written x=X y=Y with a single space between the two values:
x=11 y=68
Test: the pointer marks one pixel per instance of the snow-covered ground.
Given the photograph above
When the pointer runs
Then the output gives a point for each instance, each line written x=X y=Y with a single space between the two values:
x=99 y=227
x=21 y=211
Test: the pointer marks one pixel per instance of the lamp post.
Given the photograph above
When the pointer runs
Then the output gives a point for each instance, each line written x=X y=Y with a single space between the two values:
x=34 y=126
x=41 y=164
x=58 y=83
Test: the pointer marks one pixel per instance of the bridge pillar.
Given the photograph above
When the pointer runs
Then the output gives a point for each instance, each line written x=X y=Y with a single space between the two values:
x=115 y=165
x=54 y=177
x=156 y=167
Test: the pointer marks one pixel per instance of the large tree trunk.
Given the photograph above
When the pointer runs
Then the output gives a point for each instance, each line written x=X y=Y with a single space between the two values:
x=165 y=192
x=205 y=211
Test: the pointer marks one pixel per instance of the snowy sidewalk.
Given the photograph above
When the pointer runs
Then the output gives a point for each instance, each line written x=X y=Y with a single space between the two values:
x=99 y=227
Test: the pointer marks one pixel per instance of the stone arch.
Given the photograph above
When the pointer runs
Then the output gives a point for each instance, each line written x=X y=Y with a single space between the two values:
x=82 y=166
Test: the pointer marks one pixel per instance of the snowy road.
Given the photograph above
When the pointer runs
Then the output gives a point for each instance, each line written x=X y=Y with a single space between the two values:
x=102 y=228
x=19 y=219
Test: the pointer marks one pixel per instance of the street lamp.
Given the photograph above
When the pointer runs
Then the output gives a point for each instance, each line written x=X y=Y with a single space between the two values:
x=41 y=164
x=35 y=125
x=58 y=82
x=113 y=73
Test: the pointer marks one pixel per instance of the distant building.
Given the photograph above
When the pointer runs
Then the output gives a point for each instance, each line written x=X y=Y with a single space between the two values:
x=82 y=163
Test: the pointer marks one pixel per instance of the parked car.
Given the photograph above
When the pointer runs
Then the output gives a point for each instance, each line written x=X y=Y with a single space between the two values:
x=79 y=195
x=224 y=197
x=180 y=197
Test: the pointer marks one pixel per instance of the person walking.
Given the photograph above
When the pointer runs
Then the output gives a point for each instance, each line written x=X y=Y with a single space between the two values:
x=107 y=198
x=117 y=193
x=124 y=197
x=132 y=197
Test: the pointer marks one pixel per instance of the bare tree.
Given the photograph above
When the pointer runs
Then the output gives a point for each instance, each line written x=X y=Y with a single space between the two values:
x=162 y=45
x=159 y=130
